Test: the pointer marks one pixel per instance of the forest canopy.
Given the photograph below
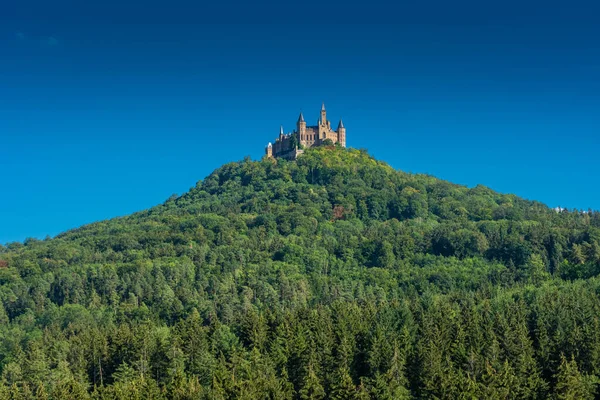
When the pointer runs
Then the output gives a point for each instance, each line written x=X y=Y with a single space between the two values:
x=330 y=277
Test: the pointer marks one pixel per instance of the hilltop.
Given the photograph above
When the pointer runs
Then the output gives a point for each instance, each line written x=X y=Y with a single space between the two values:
x=333 y=276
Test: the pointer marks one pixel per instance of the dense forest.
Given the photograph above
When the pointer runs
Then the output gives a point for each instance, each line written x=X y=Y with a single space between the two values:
x=330 y=277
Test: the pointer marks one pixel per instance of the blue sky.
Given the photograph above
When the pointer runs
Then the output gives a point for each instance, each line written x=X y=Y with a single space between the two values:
x=110 y=108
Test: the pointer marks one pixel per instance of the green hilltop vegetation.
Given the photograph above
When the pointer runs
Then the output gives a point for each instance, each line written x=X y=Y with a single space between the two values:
x=331 y=277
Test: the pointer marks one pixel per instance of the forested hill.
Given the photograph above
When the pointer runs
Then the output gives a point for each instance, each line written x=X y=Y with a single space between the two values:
x=331 y=277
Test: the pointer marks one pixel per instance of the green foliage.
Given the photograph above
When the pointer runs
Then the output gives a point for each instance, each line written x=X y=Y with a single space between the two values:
x=571 y=384
x=332 y=277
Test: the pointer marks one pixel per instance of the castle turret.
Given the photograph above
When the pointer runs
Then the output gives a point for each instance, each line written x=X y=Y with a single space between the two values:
x=269 y=150
x=301 y=125
x=341 y=131
x=323 y=117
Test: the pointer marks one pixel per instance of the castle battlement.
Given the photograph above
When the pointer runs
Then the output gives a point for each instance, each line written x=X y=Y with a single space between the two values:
x=291 y=145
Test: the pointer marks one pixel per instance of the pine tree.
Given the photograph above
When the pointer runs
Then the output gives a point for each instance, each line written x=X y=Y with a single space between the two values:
x=4 y=391
x=342 y=387
x=498 y=384
x=395 y=376
x=577 y=257
x=536 y=269
x=222 y=382
x=311 y=386
x=69 y=389
x=183 y=388
x=571 y=384
x=362 y=392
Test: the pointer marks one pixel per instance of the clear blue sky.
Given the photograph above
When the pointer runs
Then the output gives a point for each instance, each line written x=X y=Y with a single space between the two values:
x=110 y=108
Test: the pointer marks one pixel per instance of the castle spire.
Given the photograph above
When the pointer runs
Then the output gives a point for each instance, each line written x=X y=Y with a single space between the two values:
x=323 y=116
x=281 y=130
x=301 y=117
x=341 y=124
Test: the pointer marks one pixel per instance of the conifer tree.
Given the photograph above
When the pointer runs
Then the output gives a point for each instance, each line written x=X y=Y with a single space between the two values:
x=395 y=376
x=498 y=383
x=311 y=386
x=362 y=392
x=342 y=387
x=571 y=384
x=536 y=269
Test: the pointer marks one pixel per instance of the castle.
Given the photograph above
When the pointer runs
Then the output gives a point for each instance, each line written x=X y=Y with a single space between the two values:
x=291 y=145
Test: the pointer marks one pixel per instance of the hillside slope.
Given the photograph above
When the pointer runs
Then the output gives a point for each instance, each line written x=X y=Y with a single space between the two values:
x=331 y=277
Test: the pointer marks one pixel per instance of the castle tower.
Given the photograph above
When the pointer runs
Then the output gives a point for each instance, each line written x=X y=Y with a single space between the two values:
x=323 y=117
x=341 y=131
x=301 y=127
x=269 y=150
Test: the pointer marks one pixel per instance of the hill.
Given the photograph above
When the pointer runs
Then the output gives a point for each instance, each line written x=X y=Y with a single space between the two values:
x=331 y=277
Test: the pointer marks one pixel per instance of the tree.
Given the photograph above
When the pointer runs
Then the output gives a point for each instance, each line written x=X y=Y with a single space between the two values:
x=536 y=269
x=311 y=386
x=571 y=384
x=342 y=388
x=577 y=257
x=386 y=257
